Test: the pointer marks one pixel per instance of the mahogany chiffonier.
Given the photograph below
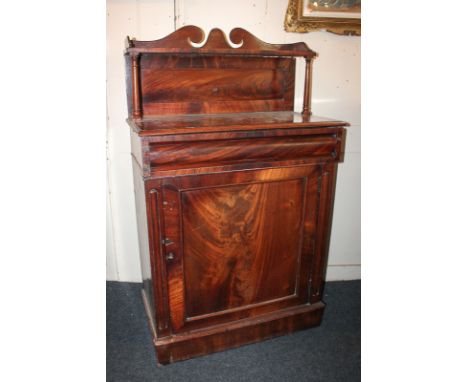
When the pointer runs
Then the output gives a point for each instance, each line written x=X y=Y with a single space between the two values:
x=234 y=190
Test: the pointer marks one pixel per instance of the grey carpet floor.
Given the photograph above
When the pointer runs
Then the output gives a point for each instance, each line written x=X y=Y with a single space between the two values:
x=328 y=353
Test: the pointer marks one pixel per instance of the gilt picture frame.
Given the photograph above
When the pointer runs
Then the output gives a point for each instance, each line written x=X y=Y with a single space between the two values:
x=336 y=16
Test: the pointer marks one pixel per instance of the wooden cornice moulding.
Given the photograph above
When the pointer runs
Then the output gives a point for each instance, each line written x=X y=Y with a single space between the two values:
x=189 y=40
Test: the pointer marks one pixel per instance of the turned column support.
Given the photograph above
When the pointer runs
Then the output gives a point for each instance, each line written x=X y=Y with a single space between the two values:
x=307 y=88
x=136 y=99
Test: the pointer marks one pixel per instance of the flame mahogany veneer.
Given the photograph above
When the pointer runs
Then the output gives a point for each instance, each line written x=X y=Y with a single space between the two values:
x=234 y=190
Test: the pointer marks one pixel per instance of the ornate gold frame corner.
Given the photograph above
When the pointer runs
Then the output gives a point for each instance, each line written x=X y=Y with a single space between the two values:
x=295 y=21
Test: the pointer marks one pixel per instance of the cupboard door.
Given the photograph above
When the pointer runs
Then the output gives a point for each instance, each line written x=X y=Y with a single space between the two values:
x=238 y=244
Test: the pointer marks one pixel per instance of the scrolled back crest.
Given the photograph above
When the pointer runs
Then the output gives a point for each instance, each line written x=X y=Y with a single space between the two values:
x=189 y=39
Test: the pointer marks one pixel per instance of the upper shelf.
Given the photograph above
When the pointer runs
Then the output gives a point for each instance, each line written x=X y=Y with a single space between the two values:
x=189 y=40
x=206 y=123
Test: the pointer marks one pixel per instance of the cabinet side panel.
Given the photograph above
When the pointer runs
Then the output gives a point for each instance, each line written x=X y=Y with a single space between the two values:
x=143 y=236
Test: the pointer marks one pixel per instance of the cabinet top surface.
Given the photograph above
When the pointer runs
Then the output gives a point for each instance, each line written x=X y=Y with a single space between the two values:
x=204 y=123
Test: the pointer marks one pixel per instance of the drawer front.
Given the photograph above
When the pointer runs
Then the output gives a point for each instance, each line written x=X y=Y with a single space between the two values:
x=202 y=153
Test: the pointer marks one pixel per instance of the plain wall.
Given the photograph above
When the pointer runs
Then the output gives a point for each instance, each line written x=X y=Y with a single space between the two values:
x=335 y=93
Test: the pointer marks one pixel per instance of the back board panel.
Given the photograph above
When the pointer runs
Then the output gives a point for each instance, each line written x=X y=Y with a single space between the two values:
x=205 y=84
